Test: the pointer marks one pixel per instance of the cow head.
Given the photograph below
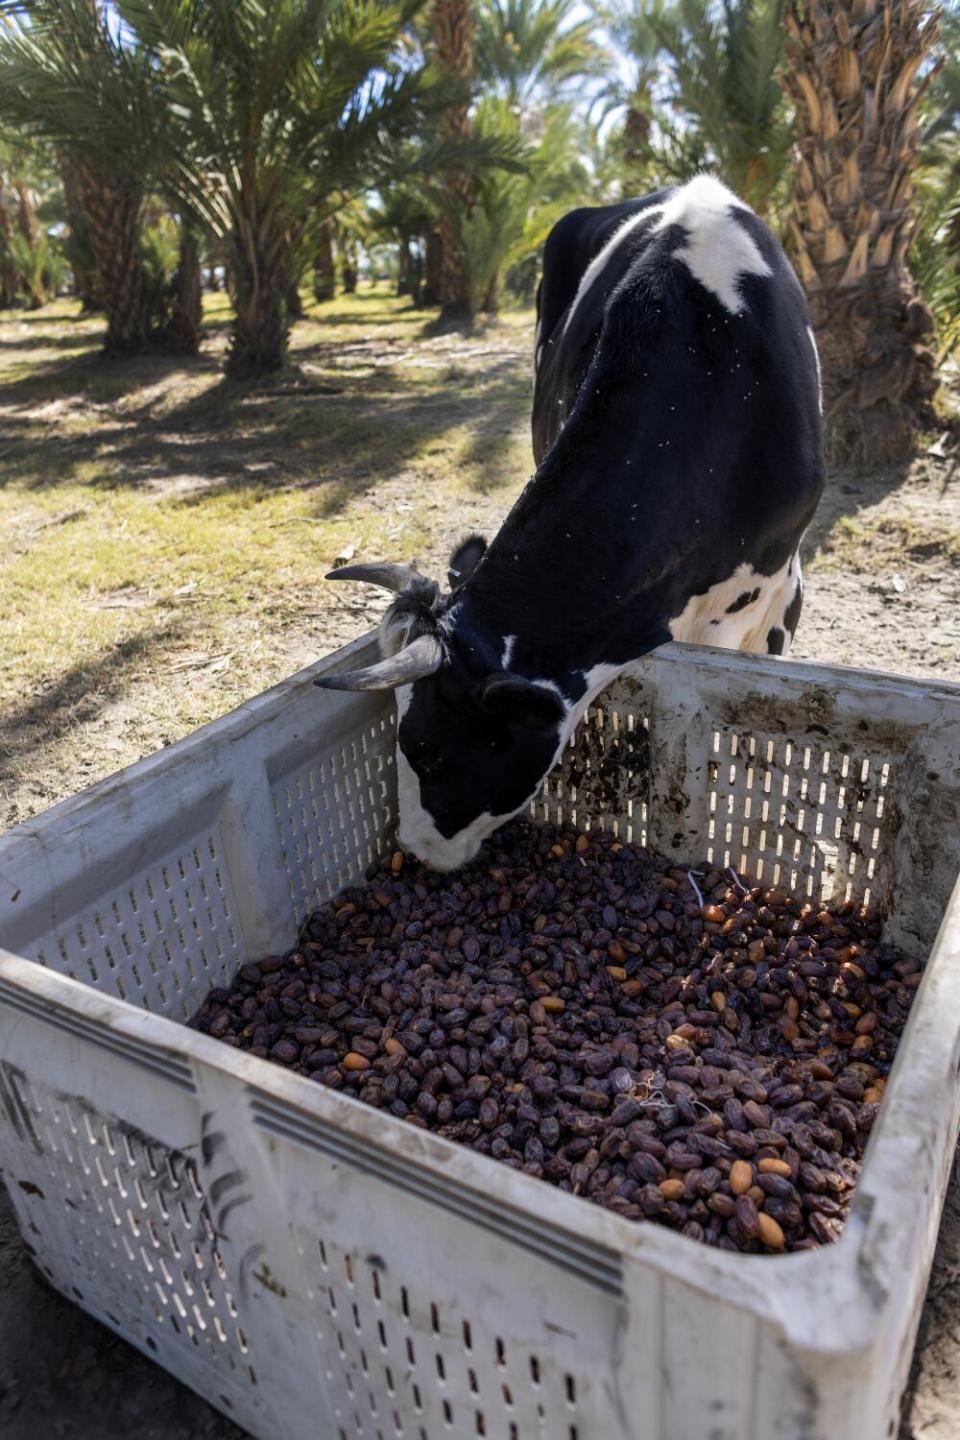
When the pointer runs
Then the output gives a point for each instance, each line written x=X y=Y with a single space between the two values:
x=474 y=740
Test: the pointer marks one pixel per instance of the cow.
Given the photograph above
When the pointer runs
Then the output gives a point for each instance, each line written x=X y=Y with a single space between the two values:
x=677 y=436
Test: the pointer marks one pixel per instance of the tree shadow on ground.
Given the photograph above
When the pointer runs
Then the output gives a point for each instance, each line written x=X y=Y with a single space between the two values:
x=78 y=696
x=340 y=440
x=98 y=378
x=465 y=326
x=35 y=342
x=341 y=430
x=43 y=317
x=503 y=424
x=845 y=494
x=317 y=314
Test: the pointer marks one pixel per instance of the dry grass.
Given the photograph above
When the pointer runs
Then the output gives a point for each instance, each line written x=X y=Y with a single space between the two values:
x=167 y=531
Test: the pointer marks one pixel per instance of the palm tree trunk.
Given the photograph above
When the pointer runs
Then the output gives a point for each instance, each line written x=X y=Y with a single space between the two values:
x=635 y=148
x=851 y=69
x=9 y=278
x=324 y=270
x=183 y=331
x=77 y=247
x=261 y=325
x=416 y=275
x=349 y=267
x=453 y=34
x=433 y=267
x=113 y=211
x=491 y=300
x=404 y=268
x=294 y=303
x=27 y=215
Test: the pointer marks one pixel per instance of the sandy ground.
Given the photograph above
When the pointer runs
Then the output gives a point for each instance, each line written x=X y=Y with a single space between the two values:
x=883 y=571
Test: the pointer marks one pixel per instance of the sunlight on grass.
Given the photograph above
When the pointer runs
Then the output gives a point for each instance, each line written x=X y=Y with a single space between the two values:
x=167 y=532
x=852 y=538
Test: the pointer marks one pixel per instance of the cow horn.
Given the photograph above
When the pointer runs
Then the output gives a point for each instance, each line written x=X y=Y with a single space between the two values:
x=422 y=657
x=387 y=575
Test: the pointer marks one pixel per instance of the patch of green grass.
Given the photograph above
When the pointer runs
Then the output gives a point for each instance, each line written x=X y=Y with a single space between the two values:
x=854 y=541
x=167 y=531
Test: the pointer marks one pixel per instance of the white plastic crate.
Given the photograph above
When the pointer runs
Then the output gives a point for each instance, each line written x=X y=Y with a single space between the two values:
x=319 y=1269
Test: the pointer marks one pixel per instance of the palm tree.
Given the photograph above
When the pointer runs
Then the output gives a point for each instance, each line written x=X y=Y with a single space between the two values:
x=64 y=74
x=512 y=214
x=722 y=63
x=934 y=256
x=350 y=225
x=76 y=243
x=291 y=108
x=11 y=177
x=534 y=48
x=452 y=27
x=182 y=328
x=403 y=217
x=636 y=142
x=324 y=265
x=853 y=70
x=660 y=142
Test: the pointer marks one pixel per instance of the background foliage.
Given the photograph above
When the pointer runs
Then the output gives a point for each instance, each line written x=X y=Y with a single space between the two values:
x=269 y=144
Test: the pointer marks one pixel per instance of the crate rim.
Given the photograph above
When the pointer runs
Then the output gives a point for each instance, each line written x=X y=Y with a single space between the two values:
x=246 y=716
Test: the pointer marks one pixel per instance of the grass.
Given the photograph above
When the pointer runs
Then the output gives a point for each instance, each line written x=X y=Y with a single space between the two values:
x=853 y=539
x=167 y=531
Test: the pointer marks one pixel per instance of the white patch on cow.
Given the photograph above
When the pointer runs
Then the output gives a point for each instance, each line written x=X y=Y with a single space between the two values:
x=417 y=831
x=508 y=643
x=597 y=678
x=448 y=620
x=419 y=834
x=816 y=357
x=599 y=261
x=393 y=633
x=554 y=688
x=705 y=620
x=718 y=250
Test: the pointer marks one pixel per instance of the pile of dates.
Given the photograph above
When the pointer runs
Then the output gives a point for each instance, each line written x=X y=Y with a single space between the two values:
x=686 y=1047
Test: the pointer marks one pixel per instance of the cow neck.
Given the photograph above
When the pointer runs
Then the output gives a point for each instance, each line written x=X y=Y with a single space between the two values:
x=562 y=618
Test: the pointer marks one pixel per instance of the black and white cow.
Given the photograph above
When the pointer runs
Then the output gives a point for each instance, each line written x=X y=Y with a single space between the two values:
x=676 y=425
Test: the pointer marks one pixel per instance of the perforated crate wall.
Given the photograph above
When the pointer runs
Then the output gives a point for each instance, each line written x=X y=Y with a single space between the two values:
x=603 y=779
x=358 y=1277
x=335 y=814
x=813 y=816
x=160 y=940
x=401 y=1365
x=133 y=1219
x=404 y=1279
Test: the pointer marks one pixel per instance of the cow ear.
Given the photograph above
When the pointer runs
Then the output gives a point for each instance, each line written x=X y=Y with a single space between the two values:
x=522 y=702
x=465 y=560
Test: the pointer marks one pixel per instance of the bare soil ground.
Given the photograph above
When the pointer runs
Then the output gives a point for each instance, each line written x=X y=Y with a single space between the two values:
x=165 y=538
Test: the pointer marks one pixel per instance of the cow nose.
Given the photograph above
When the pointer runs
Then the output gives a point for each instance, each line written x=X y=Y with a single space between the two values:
x=437 y=852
